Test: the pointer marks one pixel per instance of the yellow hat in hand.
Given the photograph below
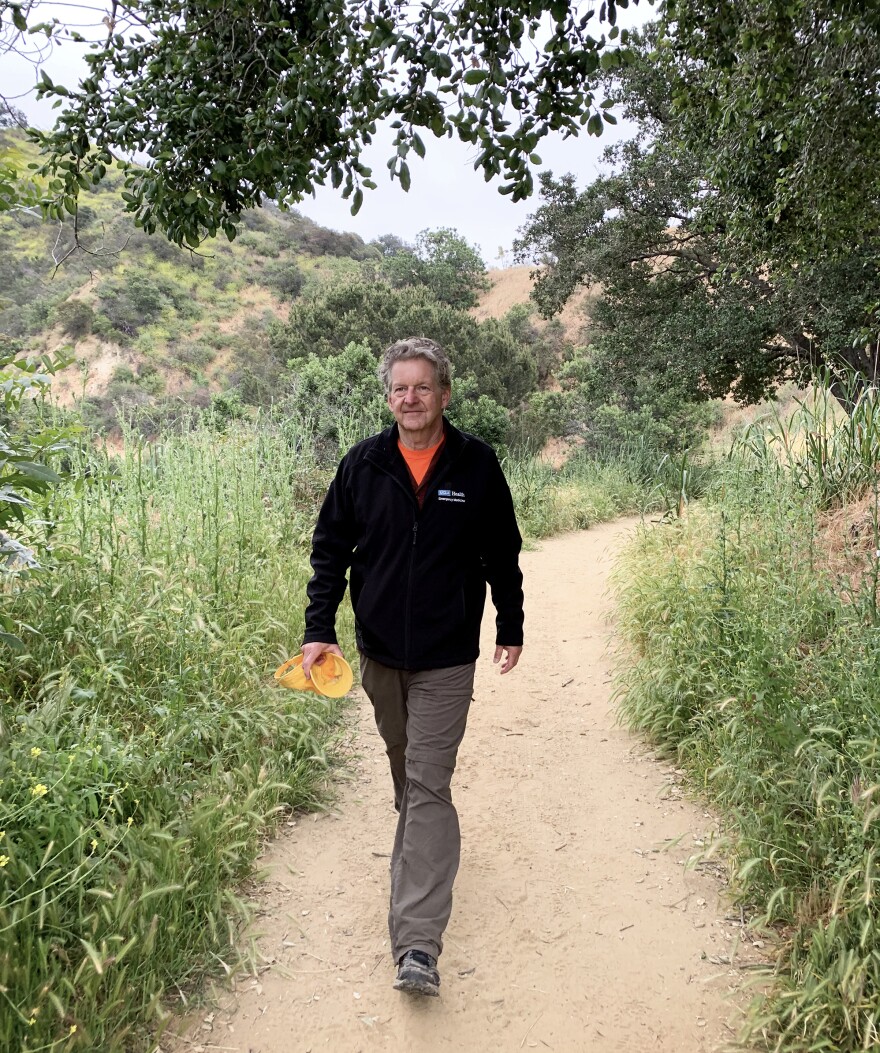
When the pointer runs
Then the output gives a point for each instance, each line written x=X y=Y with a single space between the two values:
x=332 y=677
x=290 y=674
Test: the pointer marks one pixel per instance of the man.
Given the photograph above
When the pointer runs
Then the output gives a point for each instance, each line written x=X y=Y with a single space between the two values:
x=422 y=516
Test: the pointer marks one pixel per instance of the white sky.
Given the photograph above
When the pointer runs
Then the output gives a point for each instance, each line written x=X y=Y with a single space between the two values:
x=445 y=191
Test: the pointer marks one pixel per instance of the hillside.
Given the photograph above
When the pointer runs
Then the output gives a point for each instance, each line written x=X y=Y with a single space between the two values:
x=513 y=285
x=152 y=324
x=146 y=318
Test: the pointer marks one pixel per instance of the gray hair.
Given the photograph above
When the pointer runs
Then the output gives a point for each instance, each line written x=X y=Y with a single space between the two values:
x=416 y=347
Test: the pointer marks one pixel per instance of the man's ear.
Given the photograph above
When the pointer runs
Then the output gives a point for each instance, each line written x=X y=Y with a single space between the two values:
x=445 y=396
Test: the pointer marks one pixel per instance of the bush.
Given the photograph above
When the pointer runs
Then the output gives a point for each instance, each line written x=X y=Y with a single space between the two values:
x=441 y=261
x=75 y=317
x=473 y=412
x=131 y=302
x=338 y=398
x=660 y=415
x=354 y=312
x=137 y=299
x=37 y=313
x=285 y=278
x=547 y=343
x=544 y=415
x=14 y=321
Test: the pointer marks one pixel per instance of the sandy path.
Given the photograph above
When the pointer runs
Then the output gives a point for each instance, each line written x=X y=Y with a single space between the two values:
x=573 y=929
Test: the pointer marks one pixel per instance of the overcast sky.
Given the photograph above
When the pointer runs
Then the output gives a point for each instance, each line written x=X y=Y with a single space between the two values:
x=445 y=191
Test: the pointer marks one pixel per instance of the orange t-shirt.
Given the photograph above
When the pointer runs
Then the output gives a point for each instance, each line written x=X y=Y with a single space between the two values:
x=418 y=461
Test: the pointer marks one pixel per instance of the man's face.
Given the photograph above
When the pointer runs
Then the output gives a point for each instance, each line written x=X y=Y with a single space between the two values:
x=416 y=399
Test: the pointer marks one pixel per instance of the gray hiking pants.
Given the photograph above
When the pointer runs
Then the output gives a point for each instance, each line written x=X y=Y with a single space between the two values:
x=421 y=716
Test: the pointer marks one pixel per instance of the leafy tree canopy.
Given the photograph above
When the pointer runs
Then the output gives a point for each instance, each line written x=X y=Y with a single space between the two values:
x=444 y=262
x=781 y=101
x=231 y=101
x=694 y=296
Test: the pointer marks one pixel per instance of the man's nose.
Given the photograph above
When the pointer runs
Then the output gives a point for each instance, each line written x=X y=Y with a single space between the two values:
x=411 y=395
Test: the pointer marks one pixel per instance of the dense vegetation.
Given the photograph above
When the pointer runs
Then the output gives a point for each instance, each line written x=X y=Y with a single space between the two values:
x=239 y=101
x=753 y=627
x=735 y=236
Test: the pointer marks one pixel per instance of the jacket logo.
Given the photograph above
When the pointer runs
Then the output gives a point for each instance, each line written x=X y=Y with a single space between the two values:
x=455 y=496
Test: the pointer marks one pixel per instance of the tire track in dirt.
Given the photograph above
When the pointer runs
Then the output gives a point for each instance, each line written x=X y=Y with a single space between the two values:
x=575 y=926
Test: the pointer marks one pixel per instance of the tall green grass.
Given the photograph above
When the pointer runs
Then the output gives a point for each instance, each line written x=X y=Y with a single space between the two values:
x=830 y=453
x=145 y=753
x=593 y=487
x=749 y=662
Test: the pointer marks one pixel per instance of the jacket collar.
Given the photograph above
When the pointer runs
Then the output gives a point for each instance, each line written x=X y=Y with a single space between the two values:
x=387 y=441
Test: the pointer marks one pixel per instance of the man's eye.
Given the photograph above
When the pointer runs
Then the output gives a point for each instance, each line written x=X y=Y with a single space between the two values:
x=424 y=389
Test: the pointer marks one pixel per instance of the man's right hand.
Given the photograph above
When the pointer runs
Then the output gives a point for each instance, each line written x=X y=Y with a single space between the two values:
x=312 y=653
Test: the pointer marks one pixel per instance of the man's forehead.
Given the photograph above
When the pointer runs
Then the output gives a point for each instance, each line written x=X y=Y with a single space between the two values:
x=412 y=367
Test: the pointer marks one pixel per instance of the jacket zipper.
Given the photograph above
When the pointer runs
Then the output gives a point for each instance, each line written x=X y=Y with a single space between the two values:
x=407 y=618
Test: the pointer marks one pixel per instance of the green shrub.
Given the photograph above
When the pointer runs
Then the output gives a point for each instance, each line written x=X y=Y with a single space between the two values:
x=14 y=321
x=137 y=299
x=478 y=414
x=285 y=278
x=441 y=261
x=131 y=303
x=377 y=315
x=75 y=317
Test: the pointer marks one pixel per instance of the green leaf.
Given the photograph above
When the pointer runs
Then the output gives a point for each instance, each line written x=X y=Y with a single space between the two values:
x=190 y=197
x=475 y=76
x=10 y=497
x=404 y=176
x=13 y=642
x=37 y=471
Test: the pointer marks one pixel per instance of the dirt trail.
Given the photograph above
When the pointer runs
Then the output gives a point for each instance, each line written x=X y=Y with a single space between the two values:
x=575 y=928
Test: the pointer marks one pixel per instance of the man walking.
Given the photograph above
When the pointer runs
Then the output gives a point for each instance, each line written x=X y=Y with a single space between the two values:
x=422 y=517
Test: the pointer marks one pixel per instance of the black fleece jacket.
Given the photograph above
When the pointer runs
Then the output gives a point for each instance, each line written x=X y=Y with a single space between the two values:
x=418 y=576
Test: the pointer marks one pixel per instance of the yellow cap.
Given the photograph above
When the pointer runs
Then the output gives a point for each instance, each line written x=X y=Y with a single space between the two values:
x=290 y=674
x=333 y=677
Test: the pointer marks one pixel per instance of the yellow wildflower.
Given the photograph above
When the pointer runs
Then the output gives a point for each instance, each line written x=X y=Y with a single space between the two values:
x=4 y=860
x=35 y=751
x=39 y=790
x=94 y=843
x=130 y=820
x=72 y=1029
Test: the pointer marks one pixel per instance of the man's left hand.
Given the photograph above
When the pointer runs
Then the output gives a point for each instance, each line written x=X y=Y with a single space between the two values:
x=510 y=661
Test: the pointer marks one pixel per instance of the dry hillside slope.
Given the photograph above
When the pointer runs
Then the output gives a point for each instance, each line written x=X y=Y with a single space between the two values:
x=513 y=285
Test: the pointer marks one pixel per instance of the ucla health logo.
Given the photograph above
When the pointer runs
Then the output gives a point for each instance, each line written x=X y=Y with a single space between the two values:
x=455 y=496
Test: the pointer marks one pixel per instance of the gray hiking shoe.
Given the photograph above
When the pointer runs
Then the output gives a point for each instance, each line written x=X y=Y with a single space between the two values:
x=417 y=973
